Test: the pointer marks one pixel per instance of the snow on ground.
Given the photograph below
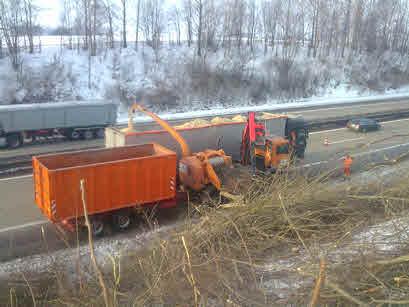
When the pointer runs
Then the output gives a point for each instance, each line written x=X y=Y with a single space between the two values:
x=173 y=80
x=66 y=259
x=272 y=106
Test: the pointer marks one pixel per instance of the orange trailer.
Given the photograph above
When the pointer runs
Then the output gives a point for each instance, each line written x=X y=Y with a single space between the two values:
x=116 y=179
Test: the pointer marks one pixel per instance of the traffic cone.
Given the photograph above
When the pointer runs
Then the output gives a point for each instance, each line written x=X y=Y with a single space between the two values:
x=326 y=142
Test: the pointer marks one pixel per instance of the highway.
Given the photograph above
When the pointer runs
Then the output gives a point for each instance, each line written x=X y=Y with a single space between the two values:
x=312 y=114
x=21 y=220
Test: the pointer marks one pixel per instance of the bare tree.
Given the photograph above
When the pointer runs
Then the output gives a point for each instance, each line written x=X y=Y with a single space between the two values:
x=86 y=7
x=346 y=28
x=138 y=9
x=29 y=23
x=188 y=12
x=11 y=25
x=199 y=12
x=124 y=24
x=94 y=29
x=152 y=22
x=176 y=22
x=251 y=23
x=110 y=15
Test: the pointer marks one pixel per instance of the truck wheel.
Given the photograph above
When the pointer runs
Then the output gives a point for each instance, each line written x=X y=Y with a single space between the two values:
x=87 y=135
x=73 y=135
x=122 y=221
x=100 y=133
x=260 y=165
x=97 y=227
x=14 y=140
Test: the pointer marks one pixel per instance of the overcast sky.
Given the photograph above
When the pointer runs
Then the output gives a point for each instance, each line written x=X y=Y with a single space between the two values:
x=51 y=10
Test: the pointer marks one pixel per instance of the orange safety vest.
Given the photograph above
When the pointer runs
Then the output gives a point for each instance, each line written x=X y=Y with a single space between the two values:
x=347 y=162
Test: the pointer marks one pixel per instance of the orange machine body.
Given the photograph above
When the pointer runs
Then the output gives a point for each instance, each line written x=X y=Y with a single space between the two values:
x=115 y=178
x=275 y=153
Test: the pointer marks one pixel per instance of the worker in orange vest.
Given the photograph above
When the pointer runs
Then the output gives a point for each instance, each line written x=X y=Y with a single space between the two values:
x=347 y=165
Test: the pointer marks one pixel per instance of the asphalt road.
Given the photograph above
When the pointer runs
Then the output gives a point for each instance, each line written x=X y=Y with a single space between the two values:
x=312 y=114
x=21 y=220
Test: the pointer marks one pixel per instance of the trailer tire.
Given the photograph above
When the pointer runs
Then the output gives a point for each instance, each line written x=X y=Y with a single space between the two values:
x=73 y=135
x=100 y=133
x=122 y=221
x=97 y=227
x=87 y=135
x=14 y=140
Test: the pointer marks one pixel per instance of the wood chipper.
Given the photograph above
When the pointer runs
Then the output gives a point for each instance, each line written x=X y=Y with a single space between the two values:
x=118 y=180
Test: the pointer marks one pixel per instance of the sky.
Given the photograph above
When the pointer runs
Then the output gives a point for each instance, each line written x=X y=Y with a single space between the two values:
x=50 y=11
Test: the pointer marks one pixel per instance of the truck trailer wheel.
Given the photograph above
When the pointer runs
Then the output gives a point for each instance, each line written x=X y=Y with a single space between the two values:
x=97 y=227
x=122 y=220
x=87 y=134
x=14 y=140
x=100 y=133
x=72 y=134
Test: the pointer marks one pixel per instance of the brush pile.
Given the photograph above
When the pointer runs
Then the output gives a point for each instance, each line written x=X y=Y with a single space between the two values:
x=264 y=248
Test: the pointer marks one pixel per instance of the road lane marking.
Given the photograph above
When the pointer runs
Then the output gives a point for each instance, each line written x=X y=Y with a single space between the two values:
x=345 y=141
x=362 y=105
x=345 y=128
x=377 y=150
x=312 y=164
x=326 y=131
x=16 y=178
x=395 y=120
x=14 y=228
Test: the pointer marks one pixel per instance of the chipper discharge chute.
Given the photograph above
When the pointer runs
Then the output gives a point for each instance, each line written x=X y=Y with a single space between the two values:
x=196 y=170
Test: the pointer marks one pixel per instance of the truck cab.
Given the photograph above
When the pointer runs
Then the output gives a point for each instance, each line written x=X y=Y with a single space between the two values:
x=275 y=155
x=297 y=133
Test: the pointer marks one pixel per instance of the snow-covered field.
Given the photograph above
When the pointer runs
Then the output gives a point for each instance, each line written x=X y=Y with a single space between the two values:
x=173 y=79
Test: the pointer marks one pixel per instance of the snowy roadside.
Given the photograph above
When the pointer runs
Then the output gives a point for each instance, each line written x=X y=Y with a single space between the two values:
x=329 y=101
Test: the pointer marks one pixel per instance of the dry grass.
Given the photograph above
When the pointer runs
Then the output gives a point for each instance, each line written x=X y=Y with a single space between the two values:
x=220 y=254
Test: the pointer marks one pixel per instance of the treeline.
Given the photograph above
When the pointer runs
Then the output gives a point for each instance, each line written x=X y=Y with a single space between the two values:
x=325 y=28
x=18 y=27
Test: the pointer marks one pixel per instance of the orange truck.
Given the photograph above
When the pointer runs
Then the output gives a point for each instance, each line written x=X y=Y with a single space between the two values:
x=120 y=179
x=117 y=180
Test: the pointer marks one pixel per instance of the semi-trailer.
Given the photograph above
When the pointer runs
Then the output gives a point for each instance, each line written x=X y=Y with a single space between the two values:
x=74 y=120
x=226 y=135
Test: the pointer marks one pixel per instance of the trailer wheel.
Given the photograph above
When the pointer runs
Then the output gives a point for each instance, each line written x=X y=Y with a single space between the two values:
x=14 y=140
x=122 y=221
x=97 y=227
x=87 y=134
x=73 y=135
x=100 y=133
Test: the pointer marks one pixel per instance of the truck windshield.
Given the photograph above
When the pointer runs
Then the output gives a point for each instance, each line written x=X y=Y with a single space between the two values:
x=283 y=149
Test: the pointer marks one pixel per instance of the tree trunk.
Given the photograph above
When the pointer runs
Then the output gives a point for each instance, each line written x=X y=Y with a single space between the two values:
x=94 y=30
x=199 y=31
x=138 y=8
x=124 y=43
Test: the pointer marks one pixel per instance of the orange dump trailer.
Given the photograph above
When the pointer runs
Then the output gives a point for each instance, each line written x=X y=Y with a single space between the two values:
x=115 y=179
